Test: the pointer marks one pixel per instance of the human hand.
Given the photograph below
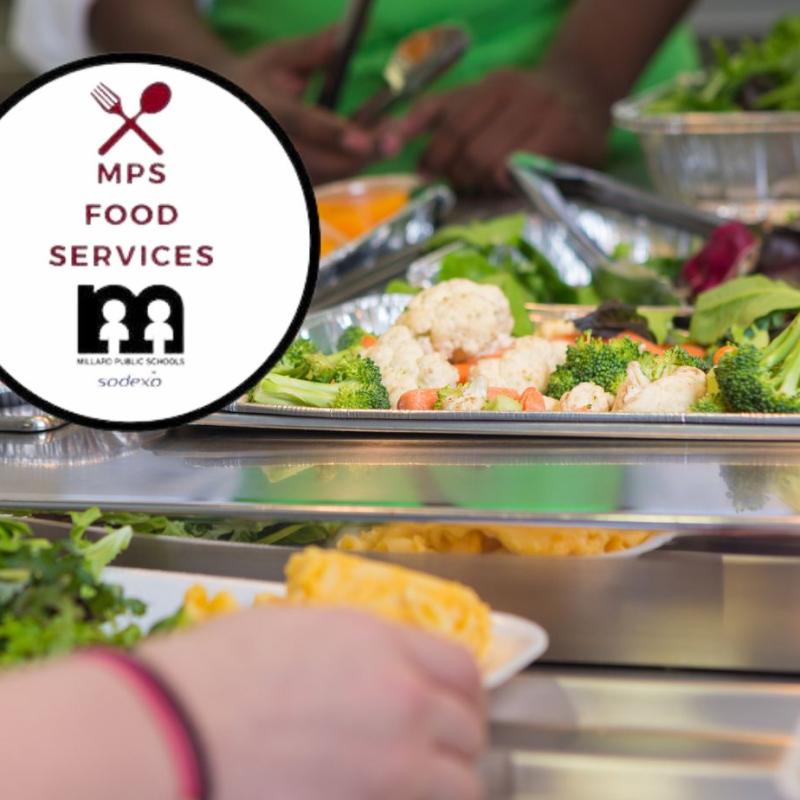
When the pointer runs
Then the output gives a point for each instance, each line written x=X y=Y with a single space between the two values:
x=307 y=703
x=277 y=75
x=475 y=128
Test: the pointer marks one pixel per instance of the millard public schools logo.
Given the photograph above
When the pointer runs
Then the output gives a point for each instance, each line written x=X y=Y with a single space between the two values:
x=166 y=240
x=114 y=321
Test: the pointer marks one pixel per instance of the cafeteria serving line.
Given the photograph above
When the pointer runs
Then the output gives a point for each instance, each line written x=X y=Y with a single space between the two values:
x=516 y=513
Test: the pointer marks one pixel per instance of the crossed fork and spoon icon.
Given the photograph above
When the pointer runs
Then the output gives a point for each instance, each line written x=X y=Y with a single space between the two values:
x=154 y=99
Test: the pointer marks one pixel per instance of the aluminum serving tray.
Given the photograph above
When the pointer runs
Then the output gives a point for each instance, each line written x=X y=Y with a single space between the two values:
x=370 y=260
x=607 y=227
x=9 y=398
x=23 y=418
x=377 y=312
x=736 y=164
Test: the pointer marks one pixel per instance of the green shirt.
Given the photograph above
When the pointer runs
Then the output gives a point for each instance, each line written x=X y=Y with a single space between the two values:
x=504 y=33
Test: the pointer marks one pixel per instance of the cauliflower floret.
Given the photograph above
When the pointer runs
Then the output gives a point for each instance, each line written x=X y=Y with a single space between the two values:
x=435 y=372
x=551 y=404
x=635 y=381
x=529 y=362
x=463 y=319
x=407 y=362
x=470 y=397
x=674 y=393
x=587 y=396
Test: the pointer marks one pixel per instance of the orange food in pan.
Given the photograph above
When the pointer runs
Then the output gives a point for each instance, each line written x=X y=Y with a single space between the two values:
x=344 y=217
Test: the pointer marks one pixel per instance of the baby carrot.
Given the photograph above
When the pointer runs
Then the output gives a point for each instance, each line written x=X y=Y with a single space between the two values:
x=722 y=352
x=418 y=400
x=532 y=400
x=464 y=369
x=694 y=350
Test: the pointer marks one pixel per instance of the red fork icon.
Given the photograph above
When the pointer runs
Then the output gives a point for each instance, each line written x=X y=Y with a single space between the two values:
x=153 y=100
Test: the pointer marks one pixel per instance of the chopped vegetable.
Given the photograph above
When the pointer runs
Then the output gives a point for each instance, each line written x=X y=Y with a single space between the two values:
x=753 y=380
x=592 y=360
x=502 y=402
x=496 y=252
x=710 y=404
x=418 y=400
x=762 y=76
x=532 y=400
x=282 y=390
x=666 y=363
x=306 y=377
x=739 y=302
x=352 y=337
x=500 y=391
x=52 y=597
x=721 y=352
x=730 y=251
x=229 y=530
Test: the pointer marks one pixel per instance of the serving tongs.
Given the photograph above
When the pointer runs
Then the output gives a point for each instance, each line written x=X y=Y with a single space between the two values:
x=547 y=183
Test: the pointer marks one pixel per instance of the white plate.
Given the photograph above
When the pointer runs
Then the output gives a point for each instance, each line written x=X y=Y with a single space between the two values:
x=653 y=543
x=516 y=642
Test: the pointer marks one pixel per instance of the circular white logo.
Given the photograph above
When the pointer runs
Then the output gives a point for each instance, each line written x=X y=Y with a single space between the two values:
x=159 y=244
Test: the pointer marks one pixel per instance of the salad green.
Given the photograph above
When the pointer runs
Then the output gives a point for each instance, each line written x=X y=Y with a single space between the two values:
x=760 y=76
x=52 y=596
x=733 y=307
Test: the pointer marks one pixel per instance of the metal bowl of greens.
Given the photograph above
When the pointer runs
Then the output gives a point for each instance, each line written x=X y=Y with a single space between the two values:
x=728 y=140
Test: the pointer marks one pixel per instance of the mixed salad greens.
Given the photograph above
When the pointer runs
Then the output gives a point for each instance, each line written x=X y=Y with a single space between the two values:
x=53 y=598
x=52 y=595
x=760 y=76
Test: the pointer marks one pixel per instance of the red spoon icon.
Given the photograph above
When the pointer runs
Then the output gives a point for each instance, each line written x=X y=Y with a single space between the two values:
x=154 y=99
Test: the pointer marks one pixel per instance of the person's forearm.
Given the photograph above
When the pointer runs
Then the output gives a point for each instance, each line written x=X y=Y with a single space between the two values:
x=609 y=42
x=74 y=729
x=168 y=27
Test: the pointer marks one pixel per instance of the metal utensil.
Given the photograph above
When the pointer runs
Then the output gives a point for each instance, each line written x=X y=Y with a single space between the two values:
x=613 y=279
x=416 y=62
x=349 y=35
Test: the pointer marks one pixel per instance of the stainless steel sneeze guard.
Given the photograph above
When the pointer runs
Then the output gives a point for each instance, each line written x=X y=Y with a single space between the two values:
x=194 y=471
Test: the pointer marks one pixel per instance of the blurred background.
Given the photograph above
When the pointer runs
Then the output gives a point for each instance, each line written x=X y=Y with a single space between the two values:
x=730 y=19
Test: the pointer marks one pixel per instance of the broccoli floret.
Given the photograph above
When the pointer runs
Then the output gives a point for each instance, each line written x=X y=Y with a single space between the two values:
x=304 y=360
x=656 y=367
x=561 y=381
x=357 y=384
x=595 y=361
x=445 y=393
x=766 y=381
x=709 y=404
x=295 y=360
x=351 y=338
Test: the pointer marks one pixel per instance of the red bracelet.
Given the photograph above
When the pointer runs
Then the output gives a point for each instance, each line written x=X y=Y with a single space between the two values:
x=179 y=732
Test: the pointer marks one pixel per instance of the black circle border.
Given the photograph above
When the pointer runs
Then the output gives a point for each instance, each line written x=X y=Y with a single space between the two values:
x=313 y=257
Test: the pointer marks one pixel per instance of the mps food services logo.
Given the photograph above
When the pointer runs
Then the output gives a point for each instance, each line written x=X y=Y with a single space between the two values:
x=159 y=253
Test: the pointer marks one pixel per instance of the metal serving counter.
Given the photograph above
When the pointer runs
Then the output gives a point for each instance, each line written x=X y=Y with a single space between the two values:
x=628 y=735
x=672 y=675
